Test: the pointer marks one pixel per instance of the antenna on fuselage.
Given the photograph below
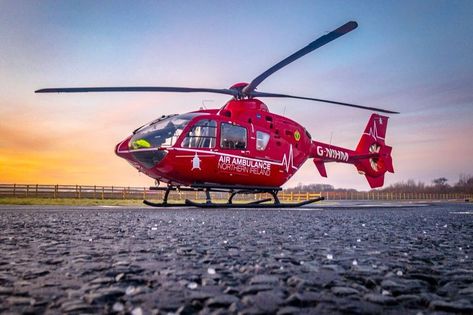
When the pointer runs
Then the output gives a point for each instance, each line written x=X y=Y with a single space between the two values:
x=203 y=103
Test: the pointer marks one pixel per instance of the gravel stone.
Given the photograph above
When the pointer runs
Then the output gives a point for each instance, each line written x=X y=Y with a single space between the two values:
x=104 y=295
x=466 y=291
x=264 y=279
x=344 y=291
x=460 y=306
x=6 y=290
x=137 y=311
x=222 y=300
x=118 y=307
x=268 y=301
x=253 y=289
x=20 y=300
x=289 y=310
x=409 y=300
x=380 y=299
x=76 y=307
x=303 y=299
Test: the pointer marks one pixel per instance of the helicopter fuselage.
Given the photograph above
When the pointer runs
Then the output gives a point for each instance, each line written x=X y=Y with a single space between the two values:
x=240 y=144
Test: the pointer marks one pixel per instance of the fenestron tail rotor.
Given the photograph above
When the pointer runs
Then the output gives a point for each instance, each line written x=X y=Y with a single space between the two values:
x=239 y=91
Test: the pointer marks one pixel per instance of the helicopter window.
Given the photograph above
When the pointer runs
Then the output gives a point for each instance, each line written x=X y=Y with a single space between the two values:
x=160 y=119
x=232 y=137
x=262 y=139
x=160 y=133
x=202 y=135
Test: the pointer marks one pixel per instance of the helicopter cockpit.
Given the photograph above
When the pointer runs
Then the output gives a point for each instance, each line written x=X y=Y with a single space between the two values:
x=162 y=132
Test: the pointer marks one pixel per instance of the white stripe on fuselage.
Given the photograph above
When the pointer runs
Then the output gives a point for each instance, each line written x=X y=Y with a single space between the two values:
x=287 y=161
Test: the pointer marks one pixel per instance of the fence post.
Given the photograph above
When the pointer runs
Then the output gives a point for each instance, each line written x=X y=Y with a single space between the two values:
x=55 y=191
x=36 y=191
x=103 y=192
x=80 y=191
x=27 y=190
x=95 y=192
x=14 y=190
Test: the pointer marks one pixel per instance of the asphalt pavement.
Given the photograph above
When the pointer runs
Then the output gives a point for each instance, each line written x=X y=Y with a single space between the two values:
x=336 y=260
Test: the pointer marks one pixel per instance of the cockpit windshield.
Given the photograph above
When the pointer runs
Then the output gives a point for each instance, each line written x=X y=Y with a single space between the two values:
x=162 y=132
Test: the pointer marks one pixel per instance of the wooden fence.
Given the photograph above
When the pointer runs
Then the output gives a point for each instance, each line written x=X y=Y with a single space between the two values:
x=117 y=192
x=379 y=195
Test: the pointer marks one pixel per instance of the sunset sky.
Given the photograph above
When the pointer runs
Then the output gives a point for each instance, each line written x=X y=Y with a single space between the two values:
x=415 y=57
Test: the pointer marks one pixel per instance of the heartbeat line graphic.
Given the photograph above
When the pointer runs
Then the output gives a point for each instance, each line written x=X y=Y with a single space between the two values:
x=288 y=162
x=374 y=131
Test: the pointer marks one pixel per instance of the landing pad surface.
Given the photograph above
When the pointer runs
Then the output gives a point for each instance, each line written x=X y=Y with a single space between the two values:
x=354 y=259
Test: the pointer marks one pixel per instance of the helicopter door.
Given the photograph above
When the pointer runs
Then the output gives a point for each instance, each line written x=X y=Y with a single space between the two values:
x=202 y=135
x=233 y=137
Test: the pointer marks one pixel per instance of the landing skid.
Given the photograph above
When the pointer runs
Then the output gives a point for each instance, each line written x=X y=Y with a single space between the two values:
x=253 y=205
x=233 y=191
x=163 y=204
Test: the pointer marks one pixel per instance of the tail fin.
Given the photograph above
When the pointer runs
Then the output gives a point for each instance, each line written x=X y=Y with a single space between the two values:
x=373 y=155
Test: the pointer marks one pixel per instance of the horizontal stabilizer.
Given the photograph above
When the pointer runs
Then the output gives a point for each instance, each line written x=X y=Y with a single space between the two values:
x=385 y=152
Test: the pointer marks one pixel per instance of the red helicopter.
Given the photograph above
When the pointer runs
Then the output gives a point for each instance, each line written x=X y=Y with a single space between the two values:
x=243 y=148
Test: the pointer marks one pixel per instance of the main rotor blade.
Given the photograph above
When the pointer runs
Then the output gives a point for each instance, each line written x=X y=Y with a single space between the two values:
x=137 y=89
x=263 y=94
x=342 y=30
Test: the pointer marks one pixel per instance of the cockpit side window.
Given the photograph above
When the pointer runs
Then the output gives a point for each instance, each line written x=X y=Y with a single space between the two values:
x=232 y=137
x=262 y=139
x=202 y=135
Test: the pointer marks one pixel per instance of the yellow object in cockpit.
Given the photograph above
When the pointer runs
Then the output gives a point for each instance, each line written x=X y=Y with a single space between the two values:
x=140 y=143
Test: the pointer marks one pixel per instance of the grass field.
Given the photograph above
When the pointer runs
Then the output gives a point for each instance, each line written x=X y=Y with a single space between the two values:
x=69 y=202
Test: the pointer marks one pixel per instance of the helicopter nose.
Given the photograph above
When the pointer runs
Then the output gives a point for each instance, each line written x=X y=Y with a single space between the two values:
x=139 y=153
x=149 y=159
x=121 y=149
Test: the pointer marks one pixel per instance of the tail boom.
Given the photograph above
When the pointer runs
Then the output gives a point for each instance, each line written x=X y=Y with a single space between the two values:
x=372 y=156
